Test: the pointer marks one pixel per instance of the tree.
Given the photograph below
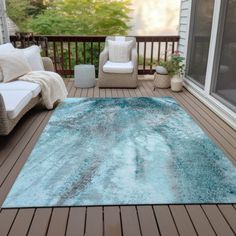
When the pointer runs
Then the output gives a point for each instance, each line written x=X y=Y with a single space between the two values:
x=21 y=11
x=36 y=7
x=17 y=11
x=86 y=17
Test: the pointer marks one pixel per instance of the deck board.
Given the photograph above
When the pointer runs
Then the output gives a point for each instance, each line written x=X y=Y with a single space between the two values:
x=7 y=219
x=76 y=221
x=182 y=220
x=22 y=222
x=113 y=220
x=165 y=220
x=217 y=220
x=112 y=223
x=147 y=221
x=130 y=221
x=40 y=222
x=199 y=220
x=58 y=222
x=94 y=221
x=229 y=214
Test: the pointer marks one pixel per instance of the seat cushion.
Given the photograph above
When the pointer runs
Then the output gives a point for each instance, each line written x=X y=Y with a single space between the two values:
x=21 y=85
x=118 y=68
x=15 y=101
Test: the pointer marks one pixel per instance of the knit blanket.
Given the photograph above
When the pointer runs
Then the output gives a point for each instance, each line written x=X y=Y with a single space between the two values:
x=52 y=86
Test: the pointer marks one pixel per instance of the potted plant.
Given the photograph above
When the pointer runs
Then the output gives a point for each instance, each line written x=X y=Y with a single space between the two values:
x=162 y=77
x=170 y=73
x=177 y=71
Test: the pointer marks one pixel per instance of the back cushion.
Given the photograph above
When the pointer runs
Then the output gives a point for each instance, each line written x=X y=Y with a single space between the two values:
x=13 y=65
x=33 y=57
x=5 y=48
x=119 y=51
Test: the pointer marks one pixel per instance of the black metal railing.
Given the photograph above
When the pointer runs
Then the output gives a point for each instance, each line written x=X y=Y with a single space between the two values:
x=68 y=51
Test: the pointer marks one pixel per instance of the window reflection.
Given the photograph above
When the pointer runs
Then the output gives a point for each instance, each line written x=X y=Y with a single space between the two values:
x=225 y=81
x=200 y=40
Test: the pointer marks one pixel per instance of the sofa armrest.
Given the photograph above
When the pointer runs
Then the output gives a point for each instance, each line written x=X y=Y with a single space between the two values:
x=134 y=58
x=103 y=58
x=3 y=114
x=48 y=64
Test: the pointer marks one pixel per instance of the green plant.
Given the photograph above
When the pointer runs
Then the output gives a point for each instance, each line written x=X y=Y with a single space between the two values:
x=22 y=11
x=83 y=17
x=178 y=63
x=175 y=65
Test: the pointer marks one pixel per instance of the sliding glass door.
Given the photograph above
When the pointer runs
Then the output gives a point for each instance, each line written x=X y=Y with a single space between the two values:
x=224 y=78
x=199 y=41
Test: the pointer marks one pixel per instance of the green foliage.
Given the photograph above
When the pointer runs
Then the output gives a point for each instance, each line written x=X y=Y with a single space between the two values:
x=178 y=63
x=52 y=23
x=84 y=17
x=72 y=17
x=21 y=11
x=17 y=11
x=174 y=66
x=36 y=7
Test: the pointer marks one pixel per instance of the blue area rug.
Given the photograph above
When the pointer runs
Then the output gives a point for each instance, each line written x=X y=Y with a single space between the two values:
x=123 y=151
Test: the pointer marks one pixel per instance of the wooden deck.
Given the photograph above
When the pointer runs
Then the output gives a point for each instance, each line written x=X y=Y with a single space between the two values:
x=116 y=220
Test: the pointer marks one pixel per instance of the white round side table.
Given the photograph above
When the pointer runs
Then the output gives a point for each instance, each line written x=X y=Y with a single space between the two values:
x=85 y=76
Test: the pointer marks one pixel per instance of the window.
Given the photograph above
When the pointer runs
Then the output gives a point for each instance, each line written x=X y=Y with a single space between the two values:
x=224 y=82
x=199 y=41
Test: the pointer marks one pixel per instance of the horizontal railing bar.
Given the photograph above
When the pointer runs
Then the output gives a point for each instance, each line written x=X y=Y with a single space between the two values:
x=73 y=38
x=140 y=72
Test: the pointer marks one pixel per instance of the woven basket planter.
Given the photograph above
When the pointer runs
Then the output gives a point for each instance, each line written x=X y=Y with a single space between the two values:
x=161 y=81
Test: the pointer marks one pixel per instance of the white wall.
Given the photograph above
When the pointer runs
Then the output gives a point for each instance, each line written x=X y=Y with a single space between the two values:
x=154 y=17
x=184 y=20
x=1 y=23
x=4 y=36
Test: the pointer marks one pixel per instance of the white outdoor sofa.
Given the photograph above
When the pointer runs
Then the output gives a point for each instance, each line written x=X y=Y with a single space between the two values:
x=18 y=97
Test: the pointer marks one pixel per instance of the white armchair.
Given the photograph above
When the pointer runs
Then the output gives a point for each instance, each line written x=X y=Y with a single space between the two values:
x=118 y=74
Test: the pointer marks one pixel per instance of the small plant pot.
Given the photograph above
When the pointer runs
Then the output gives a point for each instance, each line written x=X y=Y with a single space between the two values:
x=161 y=81
x=176 y=84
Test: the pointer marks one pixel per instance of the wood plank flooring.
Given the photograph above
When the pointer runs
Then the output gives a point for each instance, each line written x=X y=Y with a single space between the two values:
x=219 y=219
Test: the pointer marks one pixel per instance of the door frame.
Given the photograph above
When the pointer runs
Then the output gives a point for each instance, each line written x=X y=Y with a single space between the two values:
x=204 y=94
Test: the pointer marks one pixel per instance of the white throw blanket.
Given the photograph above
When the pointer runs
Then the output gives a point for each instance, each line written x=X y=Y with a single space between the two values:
x=52 y=86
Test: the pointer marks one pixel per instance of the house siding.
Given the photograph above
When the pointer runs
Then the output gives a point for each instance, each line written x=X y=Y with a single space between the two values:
x=3 y=23
x=185 y=12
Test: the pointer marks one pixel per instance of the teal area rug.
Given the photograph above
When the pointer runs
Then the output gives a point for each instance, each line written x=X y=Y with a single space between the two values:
x=110 y=151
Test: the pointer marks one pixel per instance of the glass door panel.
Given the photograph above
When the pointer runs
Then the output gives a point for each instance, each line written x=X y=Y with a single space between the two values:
x=199 y=41
x=224 y=84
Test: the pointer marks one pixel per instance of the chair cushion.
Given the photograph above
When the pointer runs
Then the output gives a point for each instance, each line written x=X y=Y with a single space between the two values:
x=119 y=51
x=21 y=85
x=15 y=101
x=5 y=48
x=118 y=68
x=13 y=65
x=33 y=57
